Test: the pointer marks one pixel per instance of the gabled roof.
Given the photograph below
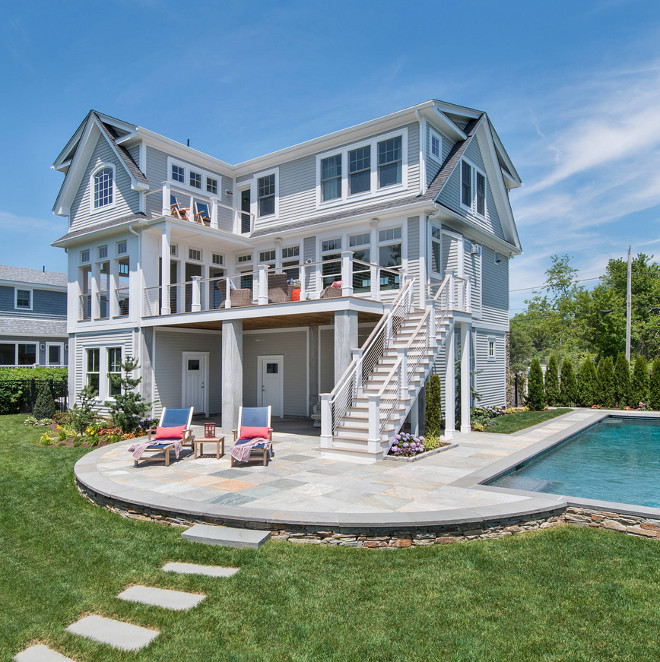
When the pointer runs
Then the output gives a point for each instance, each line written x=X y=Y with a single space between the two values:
x=32 y=276
x=107 y=225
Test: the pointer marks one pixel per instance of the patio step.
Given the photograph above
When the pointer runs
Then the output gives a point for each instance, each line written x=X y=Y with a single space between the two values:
x=161 y=597
x=117 y=634
x=195 y=569
x=226 y=536
x=40 y=653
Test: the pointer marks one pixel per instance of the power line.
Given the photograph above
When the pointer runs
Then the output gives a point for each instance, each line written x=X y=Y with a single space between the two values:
x=547 y=287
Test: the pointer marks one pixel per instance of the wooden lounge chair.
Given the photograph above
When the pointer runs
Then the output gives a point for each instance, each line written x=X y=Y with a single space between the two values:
x=202 y=215
x=250 y=421
x=170 y=418
x=177 y=210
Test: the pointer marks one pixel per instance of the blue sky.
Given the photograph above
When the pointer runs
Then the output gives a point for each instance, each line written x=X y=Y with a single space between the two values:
x=573 y=89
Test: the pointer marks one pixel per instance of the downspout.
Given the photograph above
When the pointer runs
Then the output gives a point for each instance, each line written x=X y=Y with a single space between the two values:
x=422 y=163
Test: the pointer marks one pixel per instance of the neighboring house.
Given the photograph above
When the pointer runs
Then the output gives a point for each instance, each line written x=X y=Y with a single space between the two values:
x=258 y=283
x=32 y=318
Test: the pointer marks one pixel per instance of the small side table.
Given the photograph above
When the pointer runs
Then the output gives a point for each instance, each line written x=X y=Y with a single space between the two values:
x=218 y=441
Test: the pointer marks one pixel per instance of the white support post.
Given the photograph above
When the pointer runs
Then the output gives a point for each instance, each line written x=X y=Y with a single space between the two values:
x=465 y=378
x=228 y=293
x=404 y=394
x=450 y=385
x=113 y=301
x=214 y=213
x=303 y=289
x=196 y=305
x=326 y=421
x=191 y=210
x=96 y=304
x=375 y=282
x=167 y=191
x=165 y=270
x=431 y=328
x=347 y=273
x=373 y=441
x=318 y=283
x=452 y=292
x=414 y=418
x=468 y=296
x=262 y=292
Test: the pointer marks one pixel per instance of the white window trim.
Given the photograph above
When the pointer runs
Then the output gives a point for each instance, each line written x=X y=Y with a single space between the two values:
x=435 y=134
x=89 y=253
x=54 y=344
x=489 y=340
x=121 y=241
x=374 y=191
x=254 y=192
x=107 y=372
x=429 y=257
x=104 y=385
x=472 y=208
x=112 y=205
x=185 y=185
x=25 y=289
x=238 y=218
x=195 y=259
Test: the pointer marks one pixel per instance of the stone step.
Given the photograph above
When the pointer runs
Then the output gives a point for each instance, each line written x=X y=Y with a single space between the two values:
x=194 y=569
x=161 y=597
x=123 y=636
x=226 y=536
x=40 y=653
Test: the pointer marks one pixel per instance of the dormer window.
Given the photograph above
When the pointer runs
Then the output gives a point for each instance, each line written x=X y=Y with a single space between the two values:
x=481 y=194
x=195 y=179
x=178 y=174
x=473 y=189
x=466 y=184
x=266 y=195
x=389 y=162
x=359 y=170
x=436 y=145
x=103 y=187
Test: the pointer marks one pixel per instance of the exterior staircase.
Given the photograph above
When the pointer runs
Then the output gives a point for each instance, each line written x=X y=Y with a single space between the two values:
x=371 y=401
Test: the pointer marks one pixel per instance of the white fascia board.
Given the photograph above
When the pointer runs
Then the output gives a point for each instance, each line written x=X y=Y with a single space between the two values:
x=33 y=286
x=96 y=234
x=472 y=230
x=444 y=124
x=511 y=182
x=503 y=153
x=174 y=148
x=200 y=230
x=330 y=140
x=454 y=109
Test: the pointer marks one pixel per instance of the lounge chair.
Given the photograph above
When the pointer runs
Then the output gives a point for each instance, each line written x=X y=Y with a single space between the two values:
x=173 y=428
x=202 y=215
x=177 y=210
x=254 y=434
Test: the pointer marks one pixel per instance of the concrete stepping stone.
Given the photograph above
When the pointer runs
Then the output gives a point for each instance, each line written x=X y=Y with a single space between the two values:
x=40 y=653
x=161 y=597
x=194 y=569
x=114 y=633
x=226 y=536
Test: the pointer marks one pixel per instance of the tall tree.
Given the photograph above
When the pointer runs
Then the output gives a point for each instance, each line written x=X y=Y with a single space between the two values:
x=568 y=388
x=605 y=374
x=639 y=383
x=552 y=381
x=622 y=380
x=654 y=387
x=535 y=392
x=587 y=384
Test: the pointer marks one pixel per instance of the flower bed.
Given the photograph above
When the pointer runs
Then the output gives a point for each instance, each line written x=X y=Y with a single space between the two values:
x=409 y=445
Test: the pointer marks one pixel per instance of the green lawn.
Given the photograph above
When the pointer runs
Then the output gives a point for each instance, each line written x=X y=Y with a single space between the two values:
x=521 y=419
x=558 y=594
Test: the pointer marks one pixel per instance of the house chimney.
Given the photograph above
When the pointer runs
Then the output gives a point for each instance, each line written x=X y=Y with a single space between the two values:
x=44 y=268
x=187 y=142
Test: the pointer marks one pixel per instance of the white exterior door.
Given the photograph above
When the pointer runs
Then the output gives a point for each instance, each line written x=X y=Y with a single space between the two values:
x=271 y=384
x=195 y=381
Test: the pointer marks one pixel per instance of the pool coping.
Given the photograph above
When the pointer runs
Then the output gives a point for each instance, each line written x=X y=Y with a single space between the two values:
x=539 y=505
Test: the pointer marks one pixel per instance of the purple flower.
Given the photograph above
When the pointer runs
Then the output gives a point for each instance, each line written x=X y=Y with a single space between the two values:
x=406 y=444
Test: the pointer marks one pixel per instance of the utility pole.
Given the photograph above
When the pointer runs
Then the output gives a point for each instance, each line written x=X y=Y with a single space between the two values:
x=628 y=305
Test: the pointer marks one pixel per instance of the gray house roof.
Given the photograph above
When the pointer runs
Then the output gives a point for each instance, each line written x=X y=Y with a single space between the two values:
x=23 y=326
x=102 y=226
x=32 y=276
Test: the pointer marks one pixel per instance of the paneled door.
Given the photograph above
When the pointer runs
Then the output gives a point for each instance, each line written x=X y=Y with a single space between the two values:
x=195 y=382
x=271 y=384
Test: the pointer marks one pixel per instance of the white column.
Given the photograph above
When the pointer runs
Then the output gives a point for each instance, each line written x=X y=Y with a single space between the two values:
x=112 y=290
x=450 y=380
x=214 y=212
x=165 y=270
x=196 y=294
x=326 y=421
x=96 y=276
x=167 y=208
x=232 y=373
x=414 y=418
x=465 y=378
x=303 y=289
x=346 y=338
x=262 y=285
x=347 y=273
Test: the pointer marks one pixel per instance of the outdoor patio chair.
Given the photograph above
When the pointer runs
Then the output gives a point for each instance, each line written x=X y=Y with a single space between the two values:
x=332 y=291
x=173 y=428
x=177 y=210
x=202 y=215
x=254 y=435
x=277 y=288
x=239 y=297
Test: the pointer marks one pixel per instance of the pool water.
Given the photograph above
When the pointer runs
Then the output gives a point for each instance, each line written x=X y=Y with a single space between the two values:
x=618 y=459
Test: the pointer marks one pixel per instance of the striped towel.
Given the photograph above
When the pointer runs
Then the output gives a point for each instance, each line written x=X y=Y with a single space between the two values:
x=241 y=452
x=138 y=449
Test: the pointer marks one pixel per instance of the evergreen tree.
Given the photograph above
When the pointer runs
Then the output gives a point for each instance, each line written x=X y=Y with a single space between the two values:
x=433 y=411
x=81 y=415
x=639 y=383
x=621 y=380
x=552 y=381
x=535 y=393
x=44 y=407
x=568 y=389
x=606 y=381
x=587 y=384
x=128 y=407
x=654 y=388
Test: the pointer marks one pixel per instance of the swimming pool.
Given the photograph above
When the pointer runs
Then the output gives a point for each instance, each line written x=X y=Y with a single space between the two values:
x=618 y=459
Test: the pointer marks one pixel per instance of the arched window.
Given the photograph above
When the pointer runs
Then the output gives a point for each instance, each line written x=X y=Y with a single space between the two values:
x=103 y=187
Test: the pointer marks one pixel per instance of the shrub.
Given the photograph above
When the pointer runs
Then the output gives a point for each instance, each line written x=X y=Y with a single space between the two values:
x=536 y=393
x=587 y=384
x=552 y=382
x=44 y=407
x=621 y=380
x=654 y=386
x=128 y=408
x=80 y=416
x=568 y=389
x=639 y=383
x=433 y=410
x=407 y=445
x=605 y=374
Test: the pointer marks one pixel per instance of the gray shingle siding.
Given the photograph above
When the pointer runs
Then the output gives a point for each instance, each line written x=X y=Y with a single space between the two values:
x=125 y=199
x=491 y=374
x=495 y=288
x=44 y=303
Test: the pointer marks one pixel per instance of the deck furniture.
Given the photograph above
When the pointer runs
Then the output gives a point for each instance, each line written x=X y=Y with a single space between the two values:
x=179 y=421
x=198 y=445
x=278 y=291
x=202 y=215
x=239 y=297
x=255 y=431
x=332 y=291
x=177 y=210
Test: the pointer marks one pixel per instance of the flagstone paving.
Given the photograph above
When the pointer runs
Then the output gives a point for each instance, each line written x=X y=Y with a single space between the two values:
x=40 y=653
x=195 y=569
x=114 y=633
x=161 y=597
x=300 y=481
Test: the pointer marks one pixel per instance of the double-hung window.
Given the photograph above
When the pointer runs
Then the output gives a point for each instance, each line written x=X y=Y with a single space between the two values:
x=389 y=162
x=360 y=245
x=23 y=299
x=481 y=194
x=291 y=261
x=359 y=170
x=466 y=184
x=114 y=371
x=436 y=146
x=103 y=193
x=266 y=195
x=93 y=368
x=211 y=185
x=178 y=173
x=331 y=258
x=331 y=178
x=195 y=179
x=473 y=189
x=389 y=256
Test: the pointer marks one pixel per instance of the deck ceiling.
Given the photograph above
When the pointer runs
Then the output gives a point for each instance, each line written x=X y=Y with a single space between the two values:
x=279 y=321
